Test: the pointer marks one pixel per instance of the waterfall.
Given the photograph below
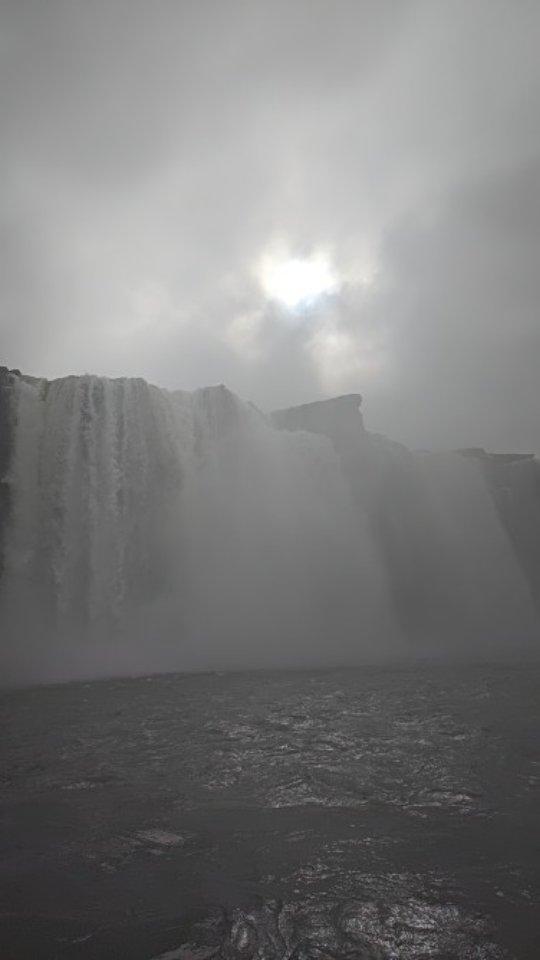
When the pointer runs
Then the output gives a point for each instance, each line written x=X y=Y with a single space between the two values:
x=455 y=578
x=156 y=530
x=153 y=530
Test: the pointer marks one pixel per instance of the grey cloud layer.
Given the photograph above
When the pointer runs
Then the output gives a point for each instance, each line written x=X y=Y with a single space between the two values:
x=152 y=153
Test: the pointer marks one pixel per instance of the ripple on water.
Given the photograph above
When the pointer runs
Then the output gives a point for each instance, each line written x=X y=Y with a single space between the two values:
x=346 y=930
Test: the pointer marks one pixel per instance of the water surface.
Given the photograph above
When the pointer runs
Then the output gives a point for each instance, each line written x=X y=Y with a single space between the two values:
x=369 y=813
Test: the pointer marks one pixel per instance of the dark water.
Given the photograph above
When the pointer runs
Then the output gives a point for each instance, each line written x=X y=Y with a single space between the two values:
x=375 y=813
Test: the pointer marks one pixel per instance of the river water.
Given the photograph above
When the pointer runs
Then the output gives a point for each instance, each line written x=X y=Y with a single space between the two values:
x=371 y=813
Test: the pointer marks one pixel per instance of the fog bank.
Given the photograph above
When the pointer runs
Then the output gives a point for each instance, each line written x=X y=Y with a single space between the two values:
x=148 y=530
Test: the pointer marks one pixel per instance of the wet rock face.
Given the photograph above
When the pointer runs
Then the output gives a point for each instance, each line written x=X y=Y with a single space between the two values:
x=339 y=419
x=514 y=481
x=388 y=482
x=6 y=441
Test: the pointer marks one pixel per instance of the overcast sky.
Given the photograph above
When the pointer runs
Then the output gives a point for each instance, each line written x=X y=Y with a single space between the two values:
x=155 y=153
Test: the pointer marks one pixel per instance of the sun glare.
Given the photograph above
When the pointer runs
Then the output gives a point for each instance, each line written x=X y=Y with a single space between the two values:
x=298 y=282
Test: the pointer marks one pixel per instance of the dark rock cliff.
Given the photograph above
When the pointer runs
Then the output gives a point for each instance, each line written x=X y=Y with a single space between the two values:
x=393 y=485
x=514 y=480
x=338 y=418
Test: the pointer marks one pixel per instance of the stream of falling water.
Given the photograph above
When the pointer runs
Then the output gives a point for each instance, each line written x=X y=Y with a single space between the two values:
x=156 y=530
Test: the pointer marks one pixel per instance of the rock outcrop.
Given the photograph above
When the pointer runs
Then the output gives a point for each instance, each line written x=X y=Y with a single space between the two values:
x=514 y=481
x=412 y=500
x=339 y=419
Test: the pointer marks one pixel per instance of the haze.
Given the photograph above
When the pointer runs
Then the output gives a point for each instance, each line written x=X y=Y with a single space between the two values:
x=154 y=154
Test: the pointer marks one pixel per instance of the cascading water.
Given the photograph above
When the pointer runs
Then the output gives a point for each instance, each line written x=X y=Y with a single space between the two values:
x=455 y=579
x=153 y=530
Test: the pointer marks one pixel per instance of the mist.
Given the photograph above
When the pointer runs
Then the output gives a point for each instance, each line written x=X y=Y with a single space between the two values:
x=153 y=154
x=156 y=531
x=151 y=530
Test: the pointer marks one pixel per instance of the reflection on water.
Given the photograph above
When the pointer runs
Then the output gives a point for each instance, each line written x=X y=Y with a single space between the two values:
x=375 y=813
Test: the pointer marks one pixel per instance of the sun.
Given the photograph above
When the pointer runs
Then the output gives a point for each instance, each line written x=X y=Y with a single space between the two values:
x=298 y=282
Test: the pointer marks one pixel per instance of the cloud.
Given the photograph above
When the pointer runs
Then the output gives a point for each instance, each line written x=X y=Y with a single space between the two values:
x=153 y=153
